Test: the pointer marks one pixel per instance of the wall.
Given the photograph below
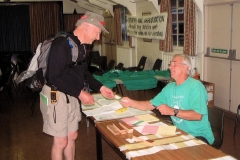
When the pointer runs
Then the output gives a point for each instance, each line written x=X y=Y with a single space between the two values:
x=222 y=32
x=108 y=47
x=124 y=56
x=148 y=49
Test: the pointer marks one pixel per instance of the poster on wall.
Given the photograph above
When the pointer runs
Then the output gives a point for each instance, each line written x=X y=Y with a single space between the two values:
x=152 y=26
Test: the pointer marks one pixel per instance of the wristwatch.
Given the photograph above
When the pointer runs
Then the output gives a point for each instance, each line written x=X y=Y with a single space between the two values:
x=176 y=112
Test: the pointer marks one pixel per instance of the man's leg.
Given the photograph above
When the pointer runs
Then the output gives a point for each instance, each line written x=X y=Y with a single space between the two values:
x=59 y=144
x=69 y=151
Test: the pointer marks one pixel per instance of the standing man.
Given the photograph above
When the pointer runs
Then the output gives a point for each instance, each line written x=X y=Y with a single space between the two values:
x=66 y=82
x=185 y=100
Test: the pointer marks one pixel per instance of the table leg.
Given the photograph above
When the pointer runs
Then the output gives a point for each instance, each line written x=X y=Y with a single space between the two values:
x=98 y=144
x=87 y=121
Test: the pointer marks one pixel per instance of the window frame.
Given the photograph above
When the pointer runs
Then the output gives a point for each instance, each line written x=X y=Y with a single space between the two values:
x=178 y=10
x=124 y=12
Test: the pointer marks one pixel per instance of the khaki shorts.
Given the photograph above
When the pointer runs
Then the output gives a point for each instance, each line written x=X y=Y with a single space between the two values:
x=66 y=115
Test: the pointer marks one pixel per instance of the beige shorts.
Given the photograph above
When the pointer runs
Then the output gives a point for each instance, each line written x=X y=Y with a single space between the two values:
x=66 y=116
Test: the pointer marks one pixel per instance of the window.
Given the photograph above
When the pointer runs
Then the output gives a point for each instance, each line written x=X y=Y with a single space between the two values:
x=178 y=22
x=124 y=12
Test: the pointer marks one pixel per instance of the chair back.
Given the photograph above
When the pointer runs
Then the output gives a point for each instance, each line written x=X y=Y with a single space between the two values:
x=110 y=65
x=119 y=66
x=216 y=119
x=157 y=65
x=142 y=63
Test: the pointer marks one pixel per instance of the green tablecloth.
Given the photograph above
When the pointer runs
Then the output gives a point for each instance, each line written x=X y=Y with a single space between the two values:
x=140 y=80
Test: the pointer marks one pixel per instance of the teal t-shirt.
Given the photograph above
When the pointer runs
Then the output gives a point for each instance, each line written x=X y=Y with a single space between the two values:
x=191 y=95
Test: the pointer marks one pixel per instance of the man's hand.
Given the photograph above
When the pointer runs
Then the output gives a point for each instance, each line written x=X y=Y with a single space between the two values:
x=126 y=102
x=106 y=92
x=86 y=98
x=166 y=110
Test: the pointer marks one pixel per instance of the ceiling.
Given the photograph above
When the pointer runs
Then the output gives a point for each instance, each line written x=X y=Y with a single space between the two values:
x=100 y=6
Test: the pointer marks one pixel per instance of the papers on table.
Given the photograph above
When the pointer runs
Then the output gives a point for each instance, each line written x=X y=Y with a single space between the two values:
x=104 y=109
x=156 y=142
x=99 y=101
x=147 y=118
x=158 y=148
x=113 y=115
x=225 y=158
x=140 y=120
x=156 y=128
x=162 y=130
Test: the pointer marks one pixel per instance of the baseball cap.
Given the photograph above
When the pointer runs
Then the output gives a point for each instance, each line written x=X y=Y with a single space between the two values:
x=94 y=19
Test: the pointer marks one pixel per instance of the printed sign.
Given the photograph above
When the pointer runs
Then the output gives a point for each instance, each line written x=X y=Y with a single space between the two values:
x=152 y=27
x=223 y=51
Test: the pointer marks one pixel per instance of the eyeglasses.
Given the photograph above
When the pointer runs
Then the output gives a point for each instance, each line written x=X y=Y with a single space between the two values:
x=176 y=64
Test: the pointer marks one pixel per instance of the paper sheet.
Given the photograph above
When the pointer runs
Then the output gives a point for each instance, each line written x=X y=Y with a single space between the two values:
x=147 y=118
x=150 y=129
x=166 y=130
x=141 y=127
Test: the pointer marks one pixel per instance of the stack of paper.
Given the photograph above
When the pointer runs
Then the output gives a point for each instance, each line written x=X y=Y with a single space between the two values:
x=162 y=130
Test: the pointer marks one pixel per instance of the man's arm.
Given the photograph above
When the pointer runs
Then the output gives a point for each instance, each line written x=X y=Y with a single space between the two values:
x=184 y=114
x=141 y=105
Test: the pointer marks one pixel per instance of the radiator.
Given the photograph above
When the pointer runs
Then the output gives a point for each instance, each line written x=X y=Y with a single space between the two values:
x=168 y=57
x=166 y=60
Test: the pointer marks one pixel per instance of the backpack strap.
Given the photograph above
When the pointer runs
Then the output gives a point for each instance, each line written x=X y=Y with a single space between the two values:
x=71 y=43
x=74 y=49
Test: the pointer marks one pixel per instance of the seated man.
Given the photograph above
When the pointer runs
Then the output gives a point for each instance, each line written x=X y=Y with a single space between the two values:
x=185 y=100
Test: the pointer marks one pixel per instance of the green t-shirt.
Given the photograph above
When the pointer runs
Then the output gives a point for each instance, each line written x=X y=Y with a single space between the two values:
x=191 y=95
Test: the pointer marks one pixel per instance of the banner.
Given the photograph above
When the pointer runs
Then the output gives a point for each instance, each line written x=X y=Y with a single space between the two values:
x=151 y=27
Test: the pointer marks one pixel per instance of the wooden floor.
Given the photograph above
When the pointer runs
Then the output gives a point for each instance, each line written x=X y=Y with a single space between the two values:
x=21 y=136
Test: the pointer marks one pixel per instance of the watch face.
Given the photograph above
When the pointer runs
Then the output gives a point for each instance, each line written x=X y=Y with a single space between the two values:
x=175 y=112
